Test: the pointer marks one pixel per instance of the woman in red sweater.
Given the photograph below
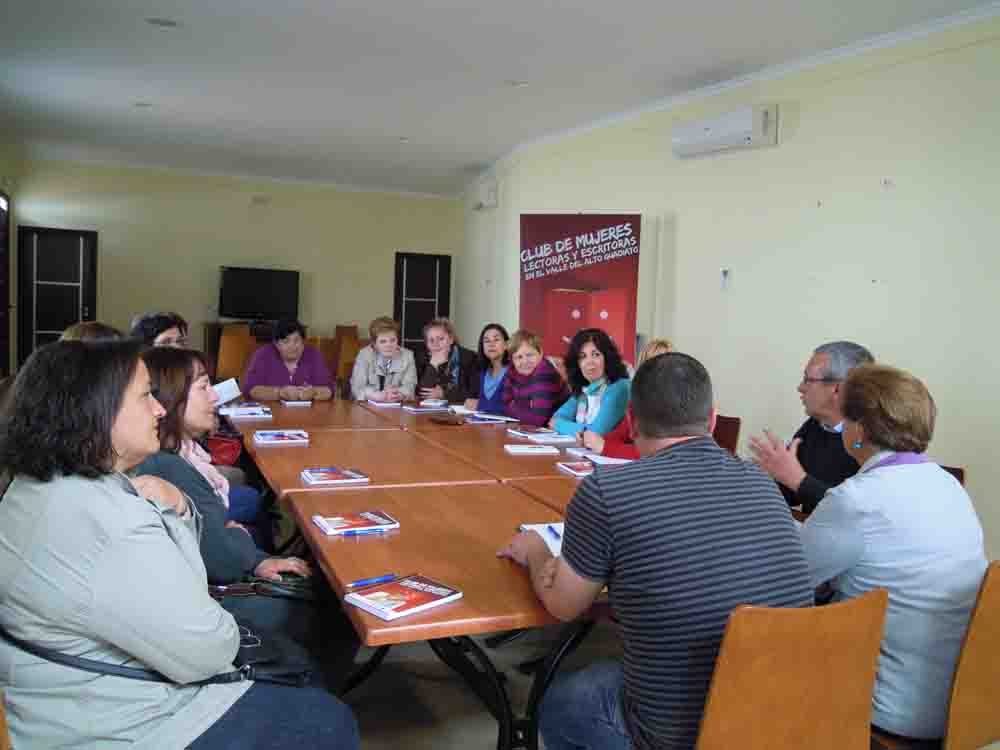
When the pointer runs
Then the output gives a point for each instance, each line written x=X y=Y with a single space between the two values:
x=619 y=443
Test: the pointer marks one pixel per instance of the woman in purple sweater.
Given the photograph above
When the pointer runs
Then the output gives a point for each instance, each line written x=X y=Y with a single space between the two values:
x=533 y=389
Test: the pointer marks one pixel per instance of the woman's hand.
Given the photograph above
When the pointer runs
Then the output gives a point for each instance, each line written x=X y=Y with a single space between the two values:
x=273 y=567
x=237 y=525
x=379 y=396
x=154 y=488
x=591 y=440
x=297 y=392
x=551 y=423
x=472 y=404
x=393 y=394
x=435 y=392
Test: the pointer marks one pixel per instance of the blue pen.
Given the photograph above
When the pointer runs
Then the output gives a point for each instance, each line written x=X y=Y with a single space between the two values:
x=552 y=530
x=362 y=532
x=371 y=581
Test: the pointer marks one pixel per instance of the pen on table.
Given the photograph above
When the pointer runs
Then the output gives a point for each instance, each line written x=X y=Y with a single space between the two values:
x=371 y=581
x=552 y=530
x=362 y=532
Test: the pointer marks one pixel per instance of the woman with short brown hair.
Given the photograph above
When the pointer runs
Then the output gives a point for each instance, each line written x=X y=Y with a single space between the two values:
x=904 y=524
x=447 y=370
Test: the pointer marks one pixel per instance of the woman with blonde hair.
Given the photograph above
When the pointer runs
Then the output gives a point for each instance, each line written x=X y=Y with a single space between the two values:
x=384 y=370
x=619 y=442
x=534 y=389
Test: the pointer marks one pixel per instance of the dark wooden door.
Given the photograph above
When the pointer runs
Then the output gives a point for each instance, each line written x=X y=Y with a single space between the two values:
x=56 y=284
x=5 y=223
x=422 y=293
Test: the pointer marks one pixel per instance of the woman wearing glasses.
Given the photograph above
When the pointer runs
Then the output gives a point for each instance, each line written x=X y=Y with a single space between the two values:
x=160 y=329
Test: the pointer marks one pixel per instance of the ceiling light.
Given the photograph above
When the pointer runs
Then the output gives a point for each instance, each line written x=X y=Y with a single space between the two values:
x=142 y=105
x=163 y=23
x=404 y=139
x=516 y=84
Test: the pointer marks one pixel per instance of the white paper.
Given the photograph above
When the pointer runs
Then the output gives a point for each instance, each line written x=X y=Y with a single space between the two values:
x=227 y=390
x=552 y=533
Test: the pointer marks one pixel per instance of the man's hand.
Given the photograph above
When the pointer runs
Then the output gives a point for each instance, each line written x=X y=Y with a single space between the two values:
x=780 y=462
x=273 y=567
x=524 y=547
x=154 y=488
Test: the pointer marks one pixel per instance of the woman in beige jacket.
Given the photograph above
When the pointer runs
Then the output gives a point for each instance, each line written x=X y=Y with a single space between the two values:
x=95 y=565
x=384 y=371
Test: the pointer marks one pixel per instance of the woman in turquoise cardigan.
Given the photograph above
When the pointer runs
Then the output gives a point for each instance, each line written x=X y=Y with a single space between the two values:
x=599 y=382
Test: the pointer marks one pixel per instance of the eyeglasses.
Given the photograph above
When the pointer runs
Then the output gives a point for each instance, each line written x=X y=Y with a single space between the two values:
x=806 y=380
x=181 y=341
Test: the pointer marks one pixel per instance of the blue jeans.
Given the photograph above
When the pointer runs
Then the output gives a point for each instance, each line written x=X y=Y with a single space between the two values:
x=584 y=711
x=275 y=717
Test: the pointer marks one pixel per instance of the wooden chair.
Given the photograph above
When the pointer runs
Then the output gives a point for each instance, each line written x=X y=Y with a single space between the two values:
x=727 y=432
x=956 y=471
x=796 y=678
x=973 y=718
x=4 y=731
x=349 y=348
x=236 y=346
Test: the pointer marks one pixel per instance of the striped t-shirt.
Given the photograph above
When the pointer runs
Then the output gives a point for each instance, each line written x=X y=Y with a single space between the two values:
x=681 y=538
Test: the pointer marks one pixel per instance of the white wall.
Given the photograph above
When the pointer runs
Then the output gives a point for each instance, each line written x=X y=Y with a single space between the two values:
x=875 y=219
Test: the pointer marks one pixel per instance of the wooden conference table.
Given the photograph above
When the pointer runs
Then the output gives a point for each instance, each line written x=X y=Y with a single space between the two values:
x=459 y=498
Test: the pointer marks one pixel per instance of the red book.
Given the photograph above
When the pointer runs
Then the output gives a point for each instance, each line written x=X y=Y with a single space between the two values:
x=404 y=596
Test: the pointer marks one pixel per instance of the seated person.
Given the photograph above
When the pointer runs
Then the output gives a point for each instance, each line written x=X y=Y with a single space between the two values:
x=90 y=330
x=181 y=385
x=815 y=459
x=493 y=363
x=902 y=524
x=287 y=368
x=674 y=572
x=97 y=565
x=534 y=389
x=620 y=442
x=160 y=329
x=383 y=370
x=598 y=384
x=446 y=370
x=179 y=382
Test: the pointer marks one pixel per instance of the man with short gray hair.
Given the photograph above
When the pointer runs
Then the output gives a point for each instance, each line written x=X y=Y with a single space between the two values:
x=815 y=459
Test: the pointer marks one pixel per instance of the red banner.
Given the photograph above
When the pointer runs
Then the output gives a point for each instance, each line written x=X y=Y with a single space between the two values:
x=580 y=271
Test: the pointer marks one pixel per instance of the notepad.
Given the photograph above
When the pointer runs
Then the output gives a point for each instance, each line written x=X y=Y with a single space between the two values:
x=520 y=449
x=552 y=533
x=227 y=390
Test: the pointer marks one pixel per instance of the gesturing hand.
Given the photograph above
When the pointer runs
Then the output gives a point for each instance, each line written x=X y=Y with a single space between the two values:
x=780 y=462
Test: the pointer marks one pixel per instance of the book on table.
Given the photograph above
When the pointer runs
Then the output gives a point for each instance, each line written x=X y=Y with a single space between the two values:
x=246 y=410
x=281 y=437
x=480 y=418
x=333 y=475
x=434 y=402
x=385 y=404
x=295 y=403
x=416 y=409
x=578 y=469
x=551 y=533
x=403 y=596
x=369 y=520
x=540 y=435
x=519 y=449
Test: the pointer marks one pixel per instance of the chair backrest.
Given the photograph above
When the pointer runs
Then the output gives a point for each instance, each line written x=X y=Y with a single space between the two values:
x=973 y=718
x=727 y=432
x=326 y=346
x=236 y=345
x=349 y=348
x=956 y=471
x=796 y=677
x=4 y=731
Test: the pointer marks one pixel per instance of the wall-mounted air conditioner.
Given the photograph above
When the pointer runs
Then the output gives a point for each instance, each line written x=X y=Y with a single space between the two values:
x=748 y=127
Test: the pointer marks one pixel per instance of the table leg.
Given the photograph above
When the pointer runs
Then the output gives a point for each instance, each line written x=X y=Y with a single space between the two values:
x=484 y=680
x=365 y=671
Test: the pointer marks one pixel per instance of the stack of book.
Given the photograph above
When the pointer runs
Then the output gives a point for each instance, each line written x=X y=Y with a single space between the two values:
x=281 y=437
x=350 y=524
x=331 y=475
x=541 y=435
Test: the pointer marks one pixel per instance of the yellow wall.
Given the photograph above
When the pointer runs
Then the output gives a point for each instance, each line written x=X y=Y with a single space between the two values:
x=163 y=235
x=819 y=247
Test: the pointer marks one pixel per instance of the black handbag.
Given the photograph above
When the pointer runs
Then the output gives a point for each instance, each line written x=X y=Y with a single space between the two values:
x=258 y=659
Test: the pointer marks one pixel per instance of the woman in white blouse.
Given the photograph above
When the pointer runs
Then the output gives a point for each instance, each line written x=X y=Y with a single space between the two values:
x=905 y=525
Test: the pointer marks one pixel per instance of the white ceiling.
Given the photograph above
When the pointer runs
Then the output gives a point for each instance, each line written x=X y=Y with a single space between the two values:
x=324 y=90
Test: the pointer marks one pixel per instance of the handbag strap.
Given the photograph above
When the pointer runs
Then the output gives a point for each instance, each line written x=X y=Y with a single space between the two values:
x=133 y=673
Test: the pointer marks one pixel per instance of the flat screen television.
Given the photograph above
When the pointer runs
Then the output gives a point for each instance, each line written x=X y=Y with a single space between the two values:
x=258 y=293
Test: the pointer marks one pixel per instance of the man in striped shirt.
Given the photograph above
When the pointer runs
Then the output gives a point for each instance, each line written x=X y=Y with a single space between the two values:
x=680 y=537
